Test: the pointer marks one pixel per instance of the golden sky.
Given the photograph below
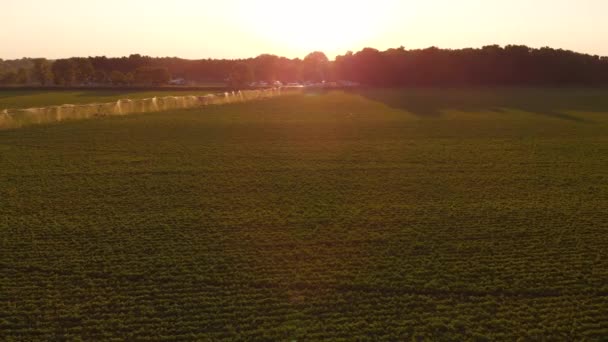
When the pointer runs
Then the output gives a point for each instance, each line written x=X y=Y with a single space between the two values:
x=241 y=28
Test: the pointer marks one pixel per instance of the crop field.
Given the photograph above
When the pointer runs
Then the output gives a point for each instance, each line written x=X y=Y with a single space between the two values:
x=29 y=99
x=383 y=215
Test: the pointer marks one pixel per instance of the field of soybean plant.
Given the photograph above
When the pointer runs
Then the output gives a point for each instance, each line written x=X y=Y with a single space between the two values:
x=383 y=215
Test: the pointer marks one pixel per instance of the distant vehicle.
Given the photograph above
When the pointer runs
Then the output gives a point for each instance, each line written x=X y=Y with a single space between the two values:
x=348 y=84
x=294 y=85
x=178 y=81
x=263 y=84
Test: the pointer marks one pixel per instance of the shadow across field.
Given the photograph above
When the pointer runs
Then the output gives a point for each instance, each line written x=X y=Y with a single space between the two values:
x=432 y=103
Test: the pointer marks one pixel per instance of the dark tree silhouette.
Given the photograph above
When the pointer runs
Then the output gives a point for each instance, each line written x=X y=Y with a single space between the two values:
x=100 y=77
x=490 y=65
x=84 y=70
x=241 y=76
x=512 y=65
x=315 y=67
x=64 y=72
x=152 y=75
x=266 y=67
x=41 y=71
x=118 y=78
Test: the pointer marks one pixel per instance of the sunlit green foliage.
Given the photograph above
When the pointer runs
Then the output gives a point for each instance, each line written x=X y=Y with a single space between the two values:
x=386 y=215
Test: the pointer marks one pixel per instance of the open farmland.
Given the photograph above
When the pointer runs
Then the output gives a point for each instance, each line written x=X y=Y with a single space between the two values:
x=373 y=215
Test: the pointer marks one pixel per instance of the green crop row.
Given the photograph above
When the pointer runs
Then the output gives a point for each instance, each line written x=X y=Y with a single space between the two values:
x=337 y=216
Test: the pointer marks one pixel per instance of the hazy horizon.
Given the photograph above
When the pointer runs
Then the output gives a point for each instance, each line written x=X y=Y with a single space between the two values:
x=240 y=29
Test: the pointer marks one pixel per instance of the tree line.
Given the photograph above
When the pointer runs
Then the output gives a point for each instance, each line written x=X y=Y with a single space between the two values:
x=144 y=70
x=80 y=71
x=489 y=65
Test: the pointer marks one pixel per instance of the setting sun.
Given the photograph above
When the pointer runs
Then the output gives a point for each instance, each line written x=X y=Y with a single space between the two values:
x=239 y=29
x=331 y=26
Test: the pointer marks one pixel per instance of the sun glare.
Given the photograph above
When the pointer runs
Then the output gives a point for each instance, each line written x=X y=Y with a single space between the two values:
x=330 y=26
